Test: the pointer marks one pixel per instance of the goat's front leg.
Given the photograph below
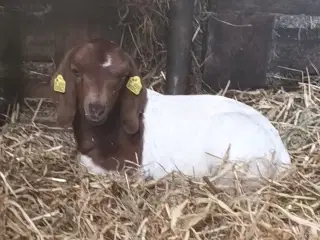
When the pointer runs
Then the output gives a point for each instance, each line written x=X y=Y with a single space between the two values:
x=89 y=161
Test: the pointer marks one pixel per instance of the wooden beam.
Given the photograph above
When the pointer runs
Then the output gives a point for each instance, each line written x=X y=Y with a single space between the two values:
x=307 y=7
x=11 y=58
x=237 y=52
x=179 y=46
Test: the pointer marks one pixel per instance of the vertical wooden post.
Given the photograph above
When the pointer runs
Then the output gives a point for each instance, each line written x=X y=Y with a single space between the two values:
x=179 y=46
x=11 y=58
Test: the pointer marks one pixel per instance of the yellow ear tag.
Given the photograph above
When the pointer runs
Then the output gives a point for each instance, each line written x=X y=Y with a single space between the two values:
x=134 y=85
x=59 y=84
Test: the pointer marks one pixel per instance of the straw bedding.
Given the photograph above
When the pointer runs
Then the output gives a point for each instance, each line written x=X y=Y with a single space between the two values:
x=45 y=194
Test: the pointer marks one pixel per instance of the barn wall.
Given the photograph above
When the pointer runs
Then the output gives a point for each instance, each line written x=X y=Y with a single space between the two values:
x=10 y=62
x=47 y=29
x=292 y=7
x=247 y=40
x=250 y=41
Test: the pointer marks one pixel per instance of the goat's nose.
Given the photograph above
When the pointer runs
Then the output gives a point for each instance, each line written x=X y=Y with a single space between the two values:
x=96 y=109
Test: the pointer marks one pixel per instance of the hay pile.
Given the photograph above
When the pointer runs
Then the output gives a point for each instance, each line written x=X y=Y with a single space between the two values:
x=44 y=194
x=145 y=29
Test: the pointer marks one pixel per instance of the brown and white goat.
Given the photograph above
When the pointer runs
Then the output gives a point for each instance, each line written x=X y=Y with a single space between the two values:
x=117 y=120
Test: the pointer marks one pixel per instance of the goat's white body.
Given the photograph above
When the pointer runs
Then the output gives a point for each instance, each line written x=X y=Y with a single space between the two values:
x=189 y=132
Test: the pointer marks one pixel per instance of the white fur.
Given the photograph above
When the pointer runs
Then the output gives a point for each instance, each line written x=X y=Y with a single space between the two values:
x=185 y=132
x=108 y=62
x=88 y=163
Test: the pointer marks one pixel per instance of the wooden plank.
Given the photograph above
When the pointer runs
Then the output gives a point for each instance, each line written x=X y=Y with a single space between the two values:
x=36 y=89
x=238 y=51
x=36 y=78
x=2 y=31
x=296 y=44
x=295 y=7
x=47 y=27
x=11 y=82
x=38 y=44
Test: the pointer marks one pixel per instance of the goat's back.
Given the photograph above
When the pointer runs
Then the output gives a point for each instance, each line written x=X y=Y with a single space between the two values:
x=192 y=132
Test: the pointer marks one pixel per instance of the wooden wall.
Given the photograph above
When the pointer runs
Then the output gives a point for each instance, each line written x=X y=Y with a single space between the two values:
x=250 y=40
x=246 y=40
x=45 y=29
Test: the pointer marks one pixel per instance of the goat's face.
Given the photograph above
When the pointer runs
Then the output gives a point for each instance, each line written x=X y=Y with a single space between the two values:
x=101 y=71
x=96 y=73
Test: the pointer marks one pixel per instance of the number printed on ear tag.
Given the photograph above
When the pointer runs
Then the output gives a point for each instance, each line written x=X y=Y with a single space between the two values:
x=59 y=84
x=134 y=85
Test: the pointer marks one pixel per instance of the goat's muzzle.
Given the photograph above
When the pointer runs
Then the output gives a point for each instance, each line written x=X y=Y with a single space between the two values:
x=97 y=113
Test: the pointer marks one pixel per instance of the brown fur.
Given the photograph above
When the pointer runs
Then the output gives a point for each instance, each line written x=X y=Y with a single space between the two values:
x=118 y=135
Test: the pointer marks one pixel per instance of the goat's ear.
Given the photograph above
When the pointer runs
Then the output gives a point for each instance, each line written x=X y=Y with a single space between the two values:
x=133 y=99
x=63 y=86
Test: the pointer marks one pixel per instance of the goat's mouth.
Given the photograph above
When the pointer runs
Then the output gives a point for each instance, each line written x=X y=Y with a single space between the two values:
x=96 y=119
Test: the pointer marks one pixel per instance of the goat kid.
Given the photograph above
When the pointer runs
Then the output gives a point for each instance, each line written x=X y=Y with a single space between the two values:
x=116 y=120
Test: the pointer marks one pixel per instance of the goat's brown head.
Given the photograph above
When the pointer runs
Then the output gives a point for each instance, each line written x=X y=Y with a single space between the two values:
x=91 y=78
